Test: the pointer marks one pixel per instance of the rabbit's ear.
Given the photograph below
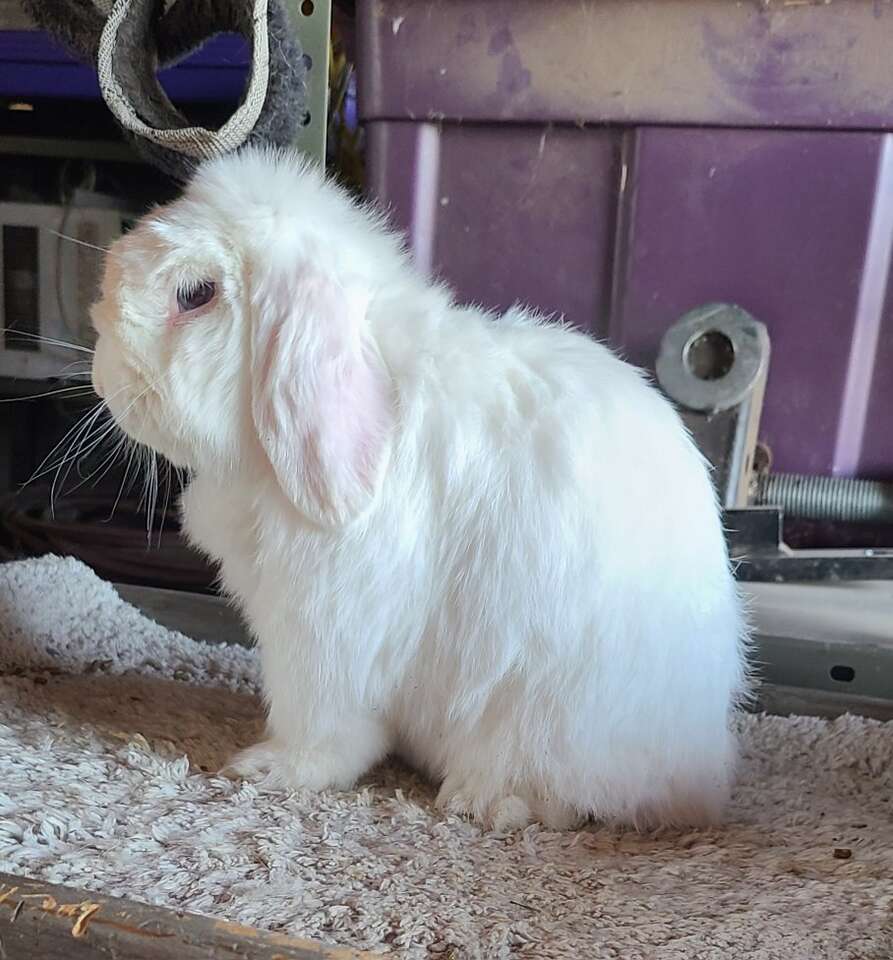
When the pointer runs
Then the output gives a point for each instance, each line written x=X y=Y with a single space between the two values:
x=320 y=395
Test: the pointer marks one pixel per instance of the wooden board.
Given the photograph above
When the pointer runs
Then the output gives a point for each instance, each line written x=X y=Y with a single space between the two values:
x=61 y=923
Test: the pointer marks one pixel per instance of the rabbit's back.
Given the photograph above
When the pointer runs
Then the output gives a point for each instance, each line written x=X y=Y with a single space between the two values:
x=581 y=619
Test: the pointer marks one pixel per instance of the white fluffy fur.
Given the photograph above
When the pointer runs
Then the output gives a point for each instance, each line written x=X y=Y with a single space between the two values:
x=483 y=542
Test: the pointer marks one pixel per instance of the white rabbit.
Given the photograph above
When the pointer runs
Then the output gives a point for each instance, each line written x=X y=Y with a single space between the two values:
x=484 y=543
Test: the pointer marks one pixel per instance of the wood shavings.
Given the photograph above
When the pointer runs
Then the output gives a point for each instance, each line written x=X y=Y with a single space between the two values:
x=88 y=910
x=83 y=911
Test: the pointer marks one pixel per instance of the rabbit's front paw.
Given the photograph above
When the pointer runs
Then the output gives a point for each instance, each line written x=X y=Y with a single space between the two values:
x=278 y=766
x=504 y=810
x=255 y=762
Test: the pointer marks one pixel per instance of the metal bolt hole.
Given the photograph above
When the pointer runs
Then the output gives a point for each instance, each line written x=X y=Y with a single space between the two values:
x=843 y=674
x=710 y=356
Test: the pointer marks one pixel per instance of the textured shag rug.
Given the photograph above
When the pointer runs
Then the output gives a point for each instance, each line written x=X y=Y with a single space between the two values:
x=111 y=728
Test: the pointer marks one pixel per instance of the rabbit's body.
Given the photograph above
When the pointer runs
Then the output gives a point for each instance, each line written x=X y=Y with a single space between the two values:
x=506 y=563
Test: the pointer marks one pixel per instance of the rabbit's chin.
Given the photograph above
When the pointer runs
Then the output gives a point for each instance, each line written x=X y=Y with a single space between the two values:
x=178 y=453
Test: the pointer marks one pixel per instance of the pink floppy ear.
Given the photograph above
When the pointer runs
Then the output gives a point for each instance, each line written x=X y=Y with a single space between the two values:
x=320 y=396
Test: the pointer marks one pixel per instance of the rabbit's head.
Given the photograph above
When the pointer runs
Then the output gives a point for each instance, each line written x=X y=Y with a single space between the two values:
x=233 y=332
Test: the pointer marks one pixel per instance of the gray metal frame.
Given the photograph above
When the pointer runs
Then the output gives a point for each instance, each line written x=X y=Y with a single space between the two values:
x=798 y=642
x=313 y=21
x=833 y=639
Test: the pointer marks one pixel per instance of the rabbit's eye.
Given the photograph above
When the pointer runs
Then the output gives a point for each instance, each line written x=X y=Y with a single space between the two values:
x=194 y=295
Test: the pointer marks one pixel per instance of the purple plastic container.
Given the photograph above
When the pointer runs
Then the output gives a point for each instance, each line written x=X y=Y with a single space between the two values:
x=623 y=161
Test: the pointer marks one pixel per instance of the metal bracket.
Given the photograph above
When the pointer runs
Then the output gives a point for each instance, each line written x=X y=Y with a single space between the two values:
x=713 y=363
x=760 y=554
x=312 y=19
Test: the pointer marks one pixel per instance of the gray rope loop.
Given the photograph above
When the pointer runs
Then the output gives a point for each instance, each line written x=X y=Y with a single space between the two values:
x=128 y=40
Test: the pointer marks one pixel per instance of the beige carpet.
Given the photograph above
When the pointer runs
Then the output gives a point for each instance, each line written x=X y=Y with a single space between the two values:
x=110 y=727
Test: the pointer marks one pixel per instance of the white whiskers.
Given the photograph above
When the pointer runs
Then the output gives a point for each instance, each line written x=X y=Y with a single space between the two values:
x=79 y=390
x=50 y=341
x=79 y=242
x=80 y=450
x=87 y=436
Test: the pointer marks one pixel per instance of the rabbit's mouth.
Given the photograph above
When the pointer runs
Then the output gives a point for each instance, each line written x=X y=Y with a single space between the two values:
x=128 y=395
x=141 y=416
